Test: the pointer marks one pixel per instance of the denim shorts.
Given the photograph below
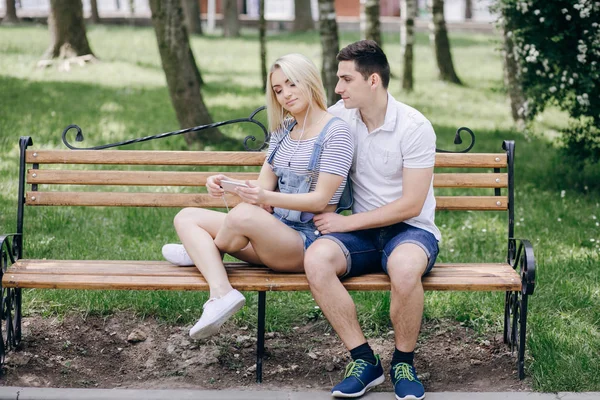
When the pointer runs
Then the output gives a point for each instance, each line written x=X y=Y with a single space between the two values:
x=307 y=230
x=368 y=250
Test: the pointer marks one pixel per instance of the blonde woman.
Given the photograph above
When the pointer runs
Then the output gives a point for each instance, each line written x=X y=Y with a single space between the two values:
x=304 y=174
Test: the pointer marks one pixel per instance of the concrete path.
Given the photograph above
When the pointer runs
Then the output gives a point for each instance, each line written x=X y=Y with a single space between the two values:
x=20 y=393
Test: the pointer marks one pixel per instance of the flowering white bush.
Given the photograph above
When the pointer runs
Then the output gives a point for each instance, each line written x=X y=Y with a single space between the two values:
x=557 y=47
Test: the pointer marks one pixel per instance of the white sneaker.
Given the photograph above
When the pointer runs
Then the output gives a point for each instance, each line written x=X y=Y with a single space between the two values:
x=176 y=254
x=216 y=312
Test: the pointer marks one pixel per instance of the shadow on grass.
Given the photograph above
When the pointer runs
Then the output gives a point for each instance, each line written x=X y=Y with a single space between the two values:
x=108 y=115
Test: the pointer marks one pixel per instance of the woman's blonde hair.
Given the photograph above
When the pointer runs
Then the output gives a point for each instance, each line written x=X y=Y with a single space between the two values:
x=304 y=74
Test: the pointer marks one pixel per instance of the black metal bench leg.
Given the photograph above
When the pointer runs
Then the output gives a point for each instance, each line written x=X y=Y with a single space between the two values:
x=523 y=336
x=507 y=314
x=260 y=337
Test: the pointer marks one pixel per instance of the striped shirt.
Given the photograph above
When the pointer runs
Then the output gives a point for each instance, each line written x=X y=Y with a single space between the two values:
x=336 y=157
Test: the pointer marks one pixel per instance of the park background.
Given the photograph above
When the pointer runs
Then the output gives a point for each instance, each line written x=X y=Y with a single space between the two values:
x=124 y=95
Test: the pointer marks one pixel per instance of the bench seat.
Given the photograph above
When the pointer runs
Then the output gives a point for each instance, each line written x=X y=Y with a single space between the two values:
x=161 y=275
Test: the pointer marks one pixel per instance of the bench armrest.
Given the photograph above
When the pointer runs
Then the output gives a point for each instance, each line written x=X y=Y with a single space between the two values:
x=521 y=257
x=9 y=251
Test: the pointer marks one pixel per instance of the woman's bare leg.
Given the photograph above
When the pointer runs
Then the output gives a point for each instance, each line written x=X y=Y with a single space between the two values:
x=197 y=228
x=277 y=245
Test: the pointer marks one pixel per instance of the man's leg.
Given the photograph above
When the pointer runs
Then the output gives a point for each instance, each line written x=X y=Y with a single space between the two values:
x=324 y=263
x=413 y=252
x=406 y=265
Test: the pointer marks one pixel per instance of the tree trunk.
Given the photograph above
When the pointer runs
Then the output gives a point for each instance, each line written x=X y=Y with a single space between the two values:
x=511 y=80
x=370 y=28
x=330 y=47
x=231 y=25
x=407 y=40
x=183 y=77
x=303 y=19
x=67 y=30
x=95 y=19
x=191 y=12
x=262 y=37
x=443 y=55
x=468 y=9
x=11 y=13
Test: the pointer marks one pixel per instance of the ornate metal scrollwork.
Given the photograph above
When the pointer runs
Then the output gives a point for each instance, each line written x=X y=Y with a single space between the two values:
x=79 y=136
x=522 y=259
x=458 y=140
x=10 y=300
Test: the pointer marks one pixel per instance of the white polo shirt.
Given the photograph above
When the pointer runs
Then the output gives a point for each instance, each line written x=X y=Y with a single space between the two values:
x=405 y=140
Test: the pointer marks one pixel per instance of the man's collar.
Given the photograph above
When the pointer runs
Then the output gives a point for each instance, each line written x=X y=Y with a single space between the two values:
x=389 y=123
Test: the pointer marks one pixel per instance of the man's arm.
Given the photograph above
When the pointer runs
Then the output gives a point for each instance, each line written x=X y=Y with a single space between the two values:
x=416 y=183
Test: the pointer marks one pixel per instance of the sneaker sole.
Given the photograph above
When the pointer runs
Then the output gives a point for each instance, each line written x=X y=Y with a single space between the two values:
x=212 y=328
x=410 y=397
x=374 y=383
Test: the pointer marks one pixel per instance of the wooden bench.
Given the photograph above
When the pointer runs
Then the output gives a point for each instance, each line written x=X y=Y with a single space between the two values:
x=37 y=188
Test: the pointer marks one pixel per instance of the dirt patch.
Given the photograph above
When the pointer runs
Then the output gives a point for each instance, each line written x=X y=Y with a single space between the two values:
x=96 y=352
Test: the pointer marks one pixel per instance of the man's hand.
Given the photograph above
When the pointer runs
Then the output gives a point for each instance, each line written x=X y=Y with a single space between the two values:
x=331 y=222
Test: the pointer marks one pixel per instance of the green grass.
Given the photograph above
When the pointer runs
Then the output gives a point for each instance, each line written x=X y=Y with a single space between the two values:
x=124 y=96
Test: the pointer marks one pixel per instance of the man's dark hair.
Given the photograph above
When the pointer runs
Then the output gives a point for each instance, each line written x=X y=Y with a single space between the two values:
x=368 y=59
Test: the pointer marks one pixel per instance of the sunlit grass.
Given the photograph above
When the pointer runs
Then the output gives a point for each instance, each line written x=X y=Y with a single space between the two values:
x=123 y=96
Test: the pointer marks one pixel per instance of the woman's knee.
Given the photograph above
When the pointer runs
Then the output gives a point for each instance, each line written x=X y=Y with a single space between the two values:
x=243 y=216
x=183 y=218
x=323 y=261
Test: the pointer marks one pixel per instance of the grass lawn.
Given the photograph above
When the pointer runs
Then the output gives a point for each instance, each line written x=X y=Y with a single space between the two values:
x=124 y=96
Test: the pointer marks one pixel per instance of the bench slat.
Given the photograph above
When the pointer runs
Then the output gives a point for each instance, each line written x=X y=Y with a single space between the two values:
x=129 y=178
x=160 y=275
x=185 y=178
x=121 y=199
x=470 y=180
x=140 y=157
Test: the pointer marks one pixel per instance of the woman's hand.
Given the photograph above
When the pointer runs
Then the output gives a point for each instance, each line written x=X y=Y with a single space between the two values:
x=252 y=194
x=213 y=185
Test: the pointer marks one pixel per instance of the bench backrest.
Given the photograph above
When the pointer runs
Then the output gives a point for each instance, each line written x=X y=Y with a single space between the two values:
x=107 y=178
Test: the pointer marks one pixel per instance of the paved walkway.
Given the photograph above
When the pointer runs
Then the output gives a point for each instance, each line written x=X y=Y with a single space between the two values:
x=19 y=393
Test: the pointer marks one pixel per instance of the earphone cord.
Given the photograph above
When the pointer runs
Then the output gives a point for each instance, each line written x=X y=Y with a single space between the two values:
x=225 y=201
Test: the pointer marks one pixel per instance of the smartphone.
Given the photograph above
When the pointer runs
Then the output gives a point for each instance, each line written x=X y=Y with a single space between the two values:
x=229 y=186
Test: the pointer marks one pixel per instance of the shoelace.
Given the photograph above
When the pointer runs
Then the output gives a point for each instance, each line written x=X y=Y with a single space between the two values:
x=355 y=368
x=403 y=371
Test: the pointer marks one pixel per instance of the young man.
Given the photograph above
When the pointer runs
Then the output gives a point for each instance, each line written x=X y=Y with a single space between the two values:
x=392 y=226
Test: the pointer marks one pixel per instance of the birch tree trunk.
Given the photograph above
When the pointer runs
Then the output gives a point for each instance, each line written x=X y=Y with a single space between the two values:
x=370 y=28
x=231 y=25
x=329 y=48
x=191 y=13
x=67 y=30
x=468 y=9
x=11 y=13
x=262 y=36
x=183 y=77
x=303 y=19
x=95 y=18
x=441 y=43
x=407 y=40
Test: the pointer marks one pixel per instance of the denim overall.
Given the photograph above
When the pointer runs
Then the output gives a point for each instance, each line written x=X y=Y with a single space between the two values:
x=293 y=183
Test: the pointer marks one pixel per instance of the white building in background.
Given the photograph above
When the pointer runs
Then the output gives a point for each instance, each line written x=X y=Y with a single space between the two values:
x=282 y=10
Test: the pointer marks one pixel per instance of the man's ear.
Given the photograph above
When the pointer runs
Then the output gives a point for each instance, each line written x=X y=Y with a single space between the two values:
x=374 y=81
